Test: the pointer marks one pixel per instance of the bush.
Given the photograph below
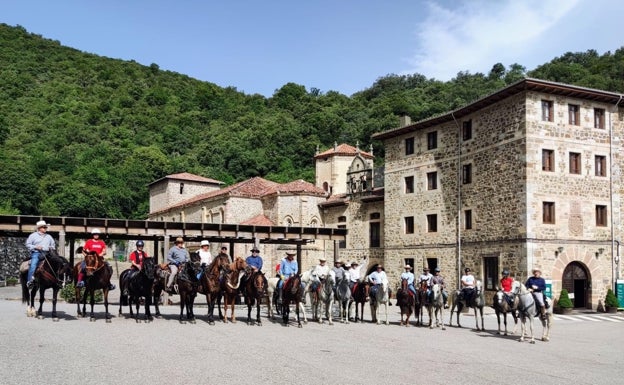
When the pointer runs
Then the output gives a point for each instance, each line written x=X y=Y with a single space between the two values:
x=611 y=300
x=68 y=293
x=564 y=300
x=11 y=281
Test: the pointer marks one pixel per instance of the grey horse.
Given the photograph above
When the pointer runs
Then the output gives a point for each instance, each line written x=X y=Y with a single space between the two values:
x=343 y=296
x=502 y=307
x=478 y=304
x=528 y=309
x=437 y=304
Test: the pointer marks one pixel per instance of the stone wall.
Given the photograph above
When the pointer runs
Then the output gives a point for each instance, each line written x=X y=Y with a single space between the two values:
x=12 y=251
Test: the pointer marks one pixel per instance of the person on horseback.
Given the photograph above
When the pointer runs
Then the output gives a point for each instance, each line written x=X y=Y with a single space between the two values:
x=537 y=285
x=137 y=256
x=468 y=285
x=205 y=257
x=38 y=242
x=177 y=255
x=98 y=246
x=339 y=273
x=409 y=276
x=505 y=284
x=288 y=268
x=439 y=280
x=354 y=275
x=426 y=276
x=319 y=273
x=376 y=278
x=254 y=261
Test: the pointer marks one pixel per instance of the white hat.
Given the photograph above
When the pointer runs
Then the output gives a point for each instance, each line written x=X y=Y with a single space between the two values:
x=322 y=259
x=42 y=224
x=204 y=243
x=407 y=267
x=95 y=231
x=338 y=261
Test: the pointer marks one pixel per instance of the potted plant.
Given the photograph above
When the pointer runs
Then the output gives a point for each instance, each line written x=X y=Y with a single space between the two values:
x=611 y=302
x=11 y=281
x=564 y=304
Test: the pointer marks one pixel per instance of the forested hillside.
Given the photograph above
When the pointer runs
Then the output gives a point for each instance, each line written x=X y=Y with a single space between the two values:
x=83 y=135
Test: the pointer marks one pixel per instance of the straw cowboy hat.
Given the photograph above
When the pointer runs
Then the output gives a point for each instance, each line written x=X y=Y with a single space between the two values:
x=407 y=267
x=42 y=224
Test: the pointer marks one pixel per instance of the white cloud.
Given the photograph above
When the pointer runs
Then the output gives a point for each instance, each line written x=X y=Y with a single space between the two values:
x=476 y=34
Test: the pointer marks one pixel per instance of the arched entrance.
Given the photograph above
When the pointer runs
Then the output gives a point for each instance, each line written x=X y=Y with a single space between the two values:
x=576 y=281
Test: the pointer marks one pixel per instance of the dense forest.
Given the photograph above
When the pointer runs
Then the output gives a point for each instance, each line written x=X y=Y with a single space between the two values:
x=83 y=135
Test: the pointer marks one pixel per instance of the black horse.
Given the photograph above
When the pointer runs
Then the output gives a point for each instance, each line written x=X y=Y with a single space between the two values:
x=136 y=284
x=188 y=284
x=53 y=272
x=98 y=275
x=292 y=292
x=255 y=290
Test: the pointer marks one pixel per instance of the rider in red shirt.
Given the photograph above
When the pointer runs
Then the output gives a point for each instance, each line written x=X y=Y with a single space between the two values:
x=136 y=257
x=97 y=245
x=505 y=283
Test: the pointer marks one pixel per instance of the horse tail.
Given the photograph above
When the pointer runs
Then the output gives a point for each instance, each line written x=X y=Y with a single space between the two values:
x=25 y=291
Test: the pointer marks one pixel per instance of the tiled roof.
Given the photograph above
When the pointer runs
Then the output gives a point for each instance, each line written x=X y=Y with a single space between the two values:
x=258 y=220
x=299 y=186
x=189 y=177
x=343 y=150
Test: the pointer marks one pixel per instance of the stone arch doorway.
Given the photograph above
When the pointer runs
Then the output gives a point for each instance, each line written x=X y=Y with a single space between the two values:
x=577 y=281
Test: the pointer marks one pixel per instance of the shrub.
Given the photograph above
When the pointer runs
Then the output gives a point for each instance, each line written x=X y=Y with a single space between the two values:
x=11 y=281
x=564 y=300
x=611 y=300
x=68 y=293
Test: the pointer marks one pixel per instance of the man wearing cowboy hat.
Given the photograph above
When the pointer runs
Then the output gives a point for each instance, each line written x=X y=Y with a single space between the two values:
x=177 y=255
x=288 y=268
x=409 y=276
x=426 y=276
x=255 y=260
x=37 y=243
x=354 y=274
x=319 y=273
x=537 y=285
x=439 y=280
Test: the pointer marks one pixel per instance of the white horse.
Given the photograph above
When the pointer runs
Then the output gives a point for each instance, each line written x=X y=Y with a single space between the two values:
x=343 y=296
x=271 y=289
x=478 y=304
x=381 y=297
x=437 y=303
x=324 y=296
x=528 y=309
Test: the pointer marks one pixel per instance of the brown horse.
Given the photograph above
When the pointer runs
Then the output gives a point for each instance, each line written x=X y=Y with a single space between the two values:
x=230 y=286
x=360 y=297
x=422 y=302
x=255 y=290
x=98 y=275
x=53 y=271
x=292 y=292
x=406 y=301
x=209 y=284
x=501 y=306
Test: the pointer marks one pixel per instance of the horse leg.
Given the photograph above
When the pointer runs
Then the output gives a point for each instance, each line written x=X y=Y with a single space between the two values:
x=328 y=308
x=386 y=310
x=546 y=324
x=232 y=303
x=258 y=320
x=301 y=306
x=55 y=291
x=148 y=304
x=108 y=316
x=40 y=310
x=297 y=304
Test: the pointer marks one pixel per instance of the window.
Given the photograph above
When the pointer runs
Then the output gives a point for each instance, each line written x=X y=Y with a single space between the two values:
x=432 y=223
x=432 y=263
x=432 y=140
x=548 y=212
x=342 y=244
x=467 y=173
x=409 y=146
x=490 y=267
x=574 y=114
x=575 y=163
x=468 y=219
x=375 y=234
x=548 y=160
x=432 y=180
x=547 y=111
x=601 y=165
x=599 y=118
x=409 y=225
x=601 y=215
x=409 y=184
x=467 y=130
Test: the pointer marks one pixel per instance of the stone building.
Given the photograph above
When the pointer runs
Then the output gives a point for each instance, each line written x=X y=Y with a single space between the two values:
x=527 y=177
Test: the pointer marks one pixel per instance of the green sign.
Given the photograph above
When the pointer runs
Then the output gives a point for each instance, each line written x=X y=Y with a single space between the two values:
x=548 y=292
x=619 y=288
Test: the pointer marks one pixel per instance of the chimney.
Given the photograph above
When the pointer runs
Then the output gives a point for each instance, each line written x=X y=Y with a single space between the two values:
x=405 y=120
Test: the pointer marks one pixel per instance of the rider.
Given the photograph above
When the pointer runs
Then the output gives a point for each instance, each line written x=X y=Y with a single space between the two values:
x=438 y=279
x=319 y=272
x=99 y=247
x=409 y=276
x=288 y=268
x=537 y=285
x=339 y=272
x=136 y=257
x=205 y=257
x=254 y=261
x=354 y=275
x=426 y=276
x=468 y=285
x=377 y=277
x=505 y=284
x=37 y=242
x=176 y=256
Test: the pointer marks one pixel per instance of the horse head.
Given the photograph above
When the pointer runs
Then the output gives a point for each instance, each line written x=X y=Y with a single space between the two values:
x=149 y=268
x=403 y=284
x=93 y=262
x=260 y=283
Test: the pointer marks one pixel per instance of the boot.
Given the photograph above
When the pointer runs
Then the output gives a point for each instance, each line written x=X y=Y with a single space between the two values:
x=279 y=296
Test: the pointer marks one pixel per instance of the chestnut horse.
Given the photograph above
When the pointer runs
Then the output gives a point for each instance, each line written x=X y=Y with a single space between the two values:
x=136 y=284
x=406 y=301
x=255 y=290
x=292 y=292
x=422 y=303
x=97 y=276
x=209 y=283
x=53 y=271
x=230 y=286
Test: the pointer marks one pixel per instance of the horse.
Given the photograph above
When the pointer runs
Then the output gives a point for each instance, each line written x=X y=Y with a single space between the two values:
x=230 y=285
x=97 y=276
x=528 y=309
x=360 y=297
x=406 y=301
x=343 y=297
x=272 y=295
x=324 y=295
x=136 y=284
x=422 y=302
x=53 y=272
x=437 y=304
x=501 y=306
x=209 y=282
x=477 y=303
x=292 y=292
x=379 y=296
x=187 y=284
x=255 y=290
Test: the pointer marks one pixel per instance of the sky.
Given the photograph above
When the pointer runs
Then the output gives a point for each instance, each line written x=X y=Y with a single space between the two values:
x=332 y=45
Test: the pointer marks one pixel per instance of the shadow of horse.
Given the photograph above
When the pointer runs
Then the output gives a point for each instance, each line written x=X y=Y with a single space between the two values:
x=406 y=301
x=477 y=302
x=255 y=290
x=98 y=275
x=135 y=285
x=502 y=307
x=53 y=271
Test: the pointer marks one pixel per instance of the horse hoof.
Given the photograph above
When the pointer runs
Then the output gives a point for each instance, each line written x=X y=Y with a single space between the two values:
x=300 y=326
x=443 y=328
x=91 y=319
x=39 y=317
x=545 y=339
x=108 y=320
x=193 y=322
x=55 y=319
x=305 y=322
x=258 y=323
x=532 y=342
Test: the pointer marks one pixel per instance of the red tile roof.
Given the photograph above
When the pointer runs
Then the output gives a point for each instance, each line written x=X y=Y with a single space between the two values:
x=258 y=220
x=343 y=150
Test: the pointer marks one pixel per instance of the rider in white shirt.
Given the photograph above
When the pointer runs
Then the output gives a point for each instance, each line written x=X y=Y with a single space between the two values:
x=468 y=284
x=319 y=273
x=354 y=274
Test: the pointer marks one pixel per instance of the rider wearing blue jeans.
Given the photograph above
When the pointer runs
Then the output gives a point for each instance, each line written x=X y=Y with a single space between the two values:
x=288 y=268
x=409 y=276
x=38 y=242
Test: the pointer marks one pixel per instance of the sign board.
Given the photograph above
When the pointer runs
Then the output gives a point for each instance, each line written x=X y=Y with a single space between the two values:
x=548 y=292
x=619 y=288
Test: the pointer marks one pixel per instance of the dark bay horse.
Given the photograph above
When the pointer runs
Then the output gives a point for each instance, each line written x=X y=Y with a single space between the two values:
x=97 y=276
x=292 y=292
x=255 y=290
x=422 y=304
x=360 y=296
x=53 y=272
x=209 y=282
x=406 y=301
x=136 y=284
x=230 y=286
x=188 y=284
